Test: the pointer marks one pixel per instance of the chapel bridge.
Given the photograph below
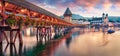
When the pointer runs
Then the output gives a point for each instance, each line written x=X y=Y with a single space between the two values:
x=16 y=15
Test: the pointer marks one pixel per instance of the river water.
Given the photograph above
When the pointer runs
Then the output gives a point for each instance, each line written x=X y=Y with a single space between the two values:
x=75 y=43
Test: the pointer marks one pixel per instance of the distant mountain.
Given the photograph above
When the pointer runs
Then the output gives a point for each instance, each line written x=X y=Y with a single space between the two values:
x=111 y=18
x=114 y=18
x=75 y=16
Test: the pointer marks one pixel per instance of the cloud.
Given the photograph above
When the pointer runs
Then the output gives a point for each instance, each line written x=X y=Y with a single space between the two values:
x=68 y=3
x=87 y=3
x=107 y=5
x=83 y=7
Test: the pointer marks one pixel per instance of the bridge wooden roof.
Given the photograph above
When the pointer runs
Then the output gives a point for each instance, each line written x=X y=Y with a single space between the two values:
x=17 y=6
x=31 y=6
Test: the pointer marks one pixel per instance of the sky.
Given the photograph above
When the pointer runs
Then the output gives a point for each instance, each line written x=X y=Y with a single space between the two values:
x=86 y=8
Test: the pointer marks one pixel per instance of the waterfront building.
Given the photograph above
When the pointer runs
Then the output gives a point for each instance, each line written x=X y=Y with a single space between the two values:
x=97 y=22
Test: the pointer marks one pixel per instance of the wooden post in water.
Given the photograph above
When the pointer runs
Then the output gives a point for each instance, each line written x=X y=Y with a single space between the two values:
x=6 y=37
x=20 y=38
x=0 y=36
x=50 y=32
x=40 y=34
x=11 y=49
x=37 y=34
x=45 y=35
x=11 y=36
x=1 y=50
x=15 y=36
x=20 y=49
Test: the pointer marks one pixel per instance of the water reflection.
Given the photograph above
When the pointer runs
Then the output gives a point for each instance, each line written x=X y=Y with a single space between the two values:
x=12 y=51
x=20 y=50
x=72 y=36
x=52 y=46
x=105 y=39
x=58 y=35
x=71 y=44
x=90 y=44
x=68 y=41
x=12 y=47
x=75 y=34
x=6 y=47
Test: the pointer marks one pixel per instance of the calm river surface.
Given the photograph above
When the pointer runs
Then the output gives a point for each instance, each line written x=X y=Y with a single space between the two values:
x=74 y=43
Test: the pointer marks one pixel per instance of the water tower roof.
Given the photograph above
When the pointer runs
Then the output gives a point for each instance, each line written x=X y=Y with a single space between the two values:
x=67 y=12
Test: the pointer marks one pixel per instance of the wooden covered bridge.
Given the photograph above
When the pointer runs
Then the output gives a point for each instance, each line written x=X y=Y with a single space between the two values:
x=18 y=14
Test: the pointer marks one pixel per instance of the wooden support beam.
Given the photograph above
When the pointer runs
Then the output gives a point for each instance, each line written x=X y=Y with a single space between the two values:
x=11 y=36
x=40 y=33
x=0 y=36
x=1 y=49
x=37 y=34
x=6 y=37
x=11 y=49
x=41 y=17
x=20 y=49
x=6 y=48
x=14 y=10
x=20 y=38
x=15 y=50
x=16 y=36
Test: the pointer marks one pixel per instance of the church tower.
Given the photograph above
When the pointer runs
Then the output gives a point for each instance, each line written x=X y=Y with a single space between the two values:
x=106 y=19
x=103 y=17
x=68 y=15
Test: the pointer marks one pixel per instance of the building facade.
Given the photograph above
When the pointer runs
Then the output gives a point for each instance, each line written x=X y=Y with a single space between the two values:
x=97 y=22
x=100 y=20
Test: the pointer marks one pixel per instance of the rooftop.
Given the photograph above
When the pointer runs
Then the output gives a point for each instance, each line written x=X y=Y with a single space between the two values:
x=67 y=12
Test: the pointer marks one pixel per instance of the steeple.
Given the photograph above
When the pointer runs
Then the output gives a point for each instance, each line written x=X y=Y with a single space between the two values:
x=106 y=15
x=103 y=14
x=67 y=12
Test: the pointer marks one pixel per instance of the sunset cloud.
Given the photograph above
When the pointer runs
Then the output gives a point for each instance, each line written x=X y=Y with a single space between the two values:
x=107 y=5
x=87 y=8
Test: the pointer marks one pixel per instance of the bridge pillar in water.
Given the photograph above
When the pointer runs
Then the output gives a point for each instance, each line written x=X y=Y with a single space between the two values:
x=20 y=37
x=11 y=36
x=55 y=28
x=3 y=34
x=18 y=33
x=0 y=36
x=41 y=33
x=49 y=32
x=37 y=32
x=1 y=49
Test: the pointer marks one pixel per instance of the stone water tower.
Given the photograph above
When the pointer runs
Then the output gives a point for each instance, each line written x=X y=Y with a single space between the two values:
x=68 y=15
